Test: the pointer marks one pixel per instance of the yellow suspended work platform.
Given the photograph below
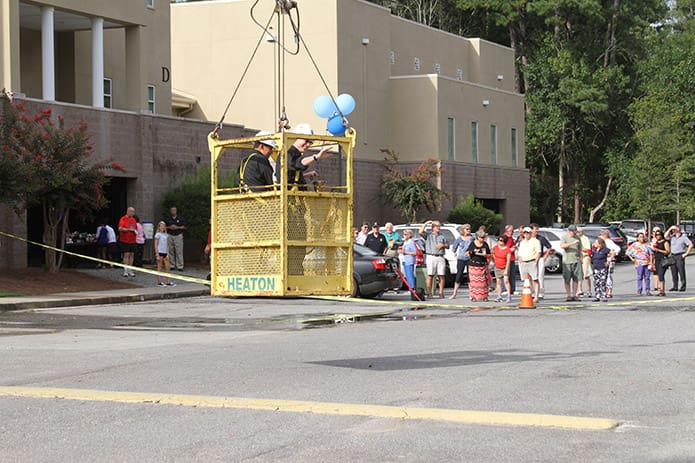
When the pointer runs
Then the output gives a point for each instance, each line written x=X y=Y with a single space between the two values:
x=282 y=240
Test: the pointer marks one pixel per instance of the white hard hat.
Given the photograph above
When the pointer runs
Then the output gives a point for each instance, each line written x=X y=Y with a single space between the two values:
x=304 y=129
x=269 y=142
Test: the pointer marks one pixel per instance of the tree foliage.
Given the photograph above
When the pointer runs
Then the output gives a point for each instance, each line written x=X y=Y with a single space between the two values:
x=661 y=177
x=192 y=201
x=579 y=64
x=470 y=210
x=412 y=190
x=44 y=164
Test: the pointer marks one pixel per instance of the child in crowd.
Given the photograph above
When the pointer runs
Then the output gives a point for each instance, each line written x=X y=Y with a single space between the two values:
x=600 y=260
x=161 y=250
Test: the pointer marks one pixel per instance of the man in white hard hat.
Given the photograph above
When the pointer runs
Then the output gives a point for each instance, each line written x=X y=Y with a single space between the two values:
x=298 y=163
x=255 y=171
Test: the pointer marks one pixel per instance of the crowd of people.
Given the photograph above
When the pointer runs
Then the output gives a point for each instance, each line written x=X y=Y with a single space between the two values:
x=587 y=267
x=126 y=243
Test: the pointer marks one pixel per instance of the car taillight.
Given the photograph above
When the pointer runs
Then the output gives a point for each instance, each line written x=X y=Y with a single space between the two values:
x=379 y=264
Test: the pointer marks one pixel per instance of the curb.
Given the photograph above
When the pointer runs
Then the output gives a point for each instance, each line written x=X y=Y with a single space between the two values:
x=75 y=300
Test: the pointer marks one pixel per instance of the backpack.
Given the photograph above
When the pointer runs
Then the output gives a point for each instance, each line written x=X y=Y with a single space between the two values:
x=103 y=238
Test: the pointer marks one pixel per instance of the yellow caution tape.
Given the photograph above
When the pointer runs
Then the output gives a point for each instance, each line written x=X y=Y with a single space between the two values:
x=108 y=262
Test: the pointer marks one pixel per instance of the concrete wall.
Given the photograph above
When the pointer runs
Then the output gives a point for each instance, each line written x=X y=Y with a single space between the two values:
x=136 y=47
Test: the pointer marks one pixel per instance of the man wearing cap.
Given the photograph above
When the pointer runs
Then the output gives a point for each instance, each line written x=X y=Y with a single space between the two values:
x=298 y=163
x=375 y=240
x=255 y=172
x=571 y=264
x=436 y=245
x=529 y=250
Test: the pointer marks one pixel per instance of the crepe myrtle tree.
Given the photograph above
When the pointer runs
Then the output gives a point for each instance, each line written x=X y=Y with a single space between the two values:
x=411 y=190
x=44 y=164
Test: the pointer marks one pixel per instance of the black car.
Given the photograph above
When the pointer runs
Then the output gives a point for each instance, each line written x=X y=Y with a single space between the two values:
x=373 y=273
x=593 y=231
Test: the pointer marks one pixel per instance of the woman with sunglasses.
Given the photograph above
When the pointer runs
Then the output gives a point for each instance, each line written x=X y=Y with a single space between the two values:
x=661 y=249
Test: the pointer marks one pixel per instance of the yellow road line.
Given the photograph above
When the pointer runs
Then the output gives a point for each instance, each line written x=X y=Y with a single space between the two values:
x=323 y=408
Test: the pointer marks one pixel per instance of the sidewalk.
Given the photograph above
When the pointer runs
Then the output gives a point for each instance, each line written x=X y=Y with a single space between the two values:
x=149 y=292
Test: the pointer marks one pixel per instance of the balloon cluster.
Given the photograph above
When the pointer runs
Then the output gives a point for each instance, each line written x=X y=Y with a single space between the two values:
x=337 y=123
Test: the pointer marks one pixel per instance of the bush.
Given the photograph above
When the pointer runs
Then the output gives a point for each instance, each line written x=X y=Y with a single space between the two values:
x=192 y=200
x=470 y=210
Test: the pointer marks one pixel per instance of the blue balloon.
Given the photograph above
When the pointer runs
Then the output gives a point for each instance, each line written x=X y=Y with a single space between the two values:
x=335 y=125
x=346 y=103
x=323 y=106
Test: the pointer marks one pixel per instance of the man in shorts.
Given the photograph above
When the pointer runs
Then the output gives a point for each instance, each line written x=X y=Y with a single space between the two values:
x=571 y=264
x=529 y=250
x=127 y=231
x=435 y=247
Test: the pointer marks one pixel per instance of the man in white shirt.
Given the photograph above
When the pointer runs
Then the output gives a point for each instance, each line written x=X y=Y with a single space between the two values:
x=529 y=252
x=362 y=235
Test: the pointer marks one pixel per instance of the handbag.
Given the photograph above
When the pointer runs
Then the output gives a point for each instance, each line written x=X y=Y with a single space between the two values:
x=668 y=261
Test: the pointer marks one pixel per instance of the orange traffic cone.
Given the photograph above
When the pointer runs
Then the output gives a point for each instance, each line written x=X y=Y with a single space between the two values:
x=526 y=296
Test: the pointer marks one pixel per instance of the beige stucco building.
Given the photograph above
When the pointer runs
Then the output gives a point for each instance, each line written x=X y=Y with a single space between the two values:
x=100 y=53
x=106 y=62
x=419 y=91
x=132 y=68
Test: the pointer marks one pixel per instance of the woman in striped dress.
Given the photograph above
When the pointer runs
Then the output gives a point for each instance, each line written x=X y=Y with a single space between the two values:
x=479 y=253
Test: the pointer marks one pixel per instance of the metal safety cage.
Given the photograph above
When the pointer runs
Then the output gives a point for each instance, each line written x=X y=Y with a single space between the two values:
x=282 y=240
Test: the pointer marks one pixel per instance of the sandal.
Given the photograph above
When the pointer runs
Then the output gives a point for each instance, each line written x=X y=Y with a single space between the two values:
x=661 y=294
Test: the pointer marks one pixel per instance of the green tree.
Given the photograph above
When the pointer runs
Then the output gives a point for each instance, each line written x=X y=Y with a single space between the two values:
x=52 y=168
x=411 y=190
x=661 y=177
x=192 y=199
x=470 y=210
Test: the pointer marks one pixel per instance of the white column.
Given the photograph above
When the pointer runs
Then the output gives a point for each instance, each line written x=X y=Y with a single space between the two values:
x=98 y=62
x=47 y=54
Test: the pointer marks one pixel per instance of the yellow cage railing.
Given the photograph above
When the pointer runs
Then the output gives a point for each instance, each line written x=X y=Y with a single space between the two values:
x=283 y=241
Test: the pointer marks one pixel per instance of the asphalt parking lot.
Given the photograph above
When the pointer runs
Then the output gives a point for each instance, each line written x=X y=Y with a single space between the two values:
x=216 y=379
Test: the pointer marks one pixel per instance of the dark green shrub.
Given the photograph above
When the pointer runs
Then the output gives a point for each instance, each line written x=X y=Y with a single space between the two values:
x=470 y=210
x=192 y=200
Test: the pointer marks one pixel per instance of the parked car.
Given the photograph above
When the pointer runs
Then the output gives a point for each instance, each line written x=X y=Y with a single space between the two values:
x=553 y=263
x=593 y=231
x=632 y=227
x=450 y=232
x=373 y=273
x=688 y=228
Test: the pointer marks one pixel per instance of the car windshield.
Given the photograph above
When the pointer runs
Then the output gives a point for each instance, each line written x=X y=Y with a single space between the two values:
x=632 y=225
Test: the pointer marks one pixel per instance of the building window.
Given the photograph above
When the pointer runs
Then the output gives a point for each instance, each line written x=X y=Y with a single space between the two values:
x=108 y=97
x=493 y=144
x=437 y=68
x=474 y=141
x=514 y=148
x=150 y=98
x=392 y=57
x=416 y=63
x=150 y=3
x=459 y=74
x=451 y=138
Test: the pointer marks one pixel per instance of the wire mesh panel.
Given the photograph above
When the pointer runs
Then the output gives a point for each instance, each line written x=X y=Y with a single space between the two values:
x=282 y=240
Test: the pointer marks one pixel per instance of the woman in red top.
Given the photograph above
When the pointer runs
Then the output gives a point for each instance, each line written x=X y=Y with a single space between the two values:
x=503 y=256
